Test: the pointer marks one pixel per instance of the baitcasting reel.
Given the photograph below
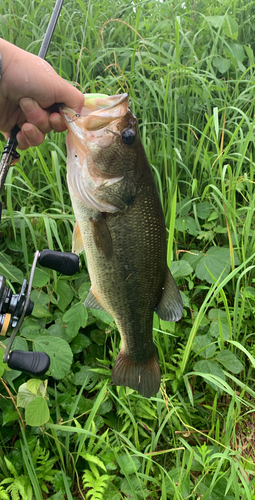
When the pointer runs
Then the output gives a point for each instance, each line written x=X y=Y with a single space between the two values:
x=13 y=309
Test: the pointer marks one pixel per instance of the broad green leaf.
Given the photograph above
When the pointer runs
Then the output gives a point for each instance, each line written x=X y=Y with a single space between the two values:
x=25 y=396
x=40 y=297
x=83 y=290
x=29 y=325
x=102 y=315
x=221 y=63
x=249 y=53
x=37 y=412
x=40 y=311
x=214 y=314
x=57 y=330
x=5 y=259
x=41 y=278
x=193 y=257
x=98 y=336
x=211 y=367
x=111 y=491
x=15 y=246
x=215 y=328
x=180 y=268
x=183 y=207
x=59 y=352
x=11 y=272
x=9 y=414
x=187 y=224
x=36 y=386
x=136 y=485
x=230 y=361
x=19 y=343
x=109 y=460
x=129 y=465
x=237 y=51
x=178 y=477
x=219 y=489
x=204 y=342
x=80 y=376
x=230 y=27
x=80 y=343
x=84 y=405
x=217 y=260
x=40 y=300
x=105 y=407
x=216 y=21
x=65 y=294
x=185 y=299
x=203 y=209
x=75 y=318
x=2 y=365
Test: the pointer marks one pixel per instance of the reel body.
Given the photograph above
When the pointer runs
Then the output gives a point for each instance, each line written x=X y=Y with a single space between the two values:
x=14 y=307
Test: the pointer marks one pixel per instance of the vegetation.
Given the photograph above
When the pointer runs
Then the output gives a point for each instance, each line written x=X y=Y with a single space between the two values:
x=188 y=68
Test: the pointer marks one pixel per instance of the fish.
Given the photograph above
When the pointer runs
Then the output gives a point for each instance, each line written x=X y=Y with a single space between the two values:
x=120 y=225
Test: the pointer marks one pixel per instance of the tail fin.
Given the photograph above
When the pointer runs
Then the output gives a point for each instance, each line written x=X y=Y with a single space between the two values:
x=144 y=377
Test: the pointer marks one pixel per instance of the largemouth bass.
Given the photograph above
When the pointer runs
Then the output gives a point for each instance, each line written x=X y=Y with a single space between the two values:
x=120 y=224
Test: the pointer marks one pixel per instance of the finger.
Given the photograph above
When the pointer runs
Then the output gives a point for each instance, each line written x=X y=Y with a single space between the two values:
x=57 y=122
x=35 y=115
x=32 y=134
x=29 y=135
x=69 y=95
x=22 y=142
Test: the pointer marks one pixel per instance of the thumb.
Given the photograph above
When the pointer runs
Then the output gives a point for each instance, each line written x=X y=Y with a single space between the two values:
x=69 y=95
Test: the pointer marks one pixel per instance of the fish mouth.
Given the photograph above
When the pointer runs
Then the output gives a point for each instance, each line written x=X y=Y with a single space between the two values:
x=99 y=127
x=98 y=112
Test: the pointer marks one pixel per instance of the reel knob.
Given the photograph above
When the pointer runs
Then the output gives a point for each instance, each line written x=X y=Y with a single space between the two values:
x=35 y=364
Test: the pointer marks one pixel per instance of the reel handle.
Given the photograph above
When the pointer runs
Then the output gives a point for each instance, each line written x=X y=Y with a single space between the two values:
x=64 y=262
x=35 y=364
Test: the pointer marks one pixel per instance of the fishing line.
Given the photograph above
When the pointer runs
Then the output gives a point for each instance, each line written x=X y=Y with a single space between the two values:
x=83 y=38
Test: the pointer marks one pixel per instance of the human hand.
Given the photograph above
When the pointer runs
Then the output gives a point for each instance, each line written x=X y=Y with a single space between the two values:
x=29 y=89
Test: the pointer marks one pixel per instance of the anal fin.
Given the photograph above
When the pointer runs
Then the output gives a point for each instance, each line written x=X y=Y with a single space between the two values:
x=170 y=306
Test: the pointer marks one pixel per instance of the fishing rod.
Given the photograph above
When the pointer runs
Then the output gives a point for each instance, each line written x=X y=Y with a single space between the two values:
x=14 y=307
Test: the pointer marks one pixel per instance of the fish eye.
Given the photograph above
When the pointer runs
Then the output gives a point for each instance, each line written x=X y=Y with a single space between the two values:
x=128 y=137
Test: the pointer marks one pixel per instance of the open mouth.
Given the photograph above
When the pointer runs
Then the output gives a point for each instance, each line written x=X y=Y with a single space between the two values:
x=99 y=111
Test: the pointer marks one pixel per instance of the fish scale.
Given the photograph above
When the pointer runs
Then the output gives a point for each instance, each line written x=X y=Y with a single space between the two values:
x=125 y=246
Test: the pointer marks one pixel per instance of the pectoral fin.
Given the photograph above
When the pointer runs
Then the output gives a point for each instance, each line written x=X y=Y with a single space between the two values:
x=92 y=302
x=102 y=236
x=77 y=244
x=170 y=306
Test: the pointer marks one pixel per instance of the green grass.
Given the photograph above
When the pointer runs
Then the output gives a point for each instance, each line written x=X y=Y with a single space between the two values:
x=189 y=71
